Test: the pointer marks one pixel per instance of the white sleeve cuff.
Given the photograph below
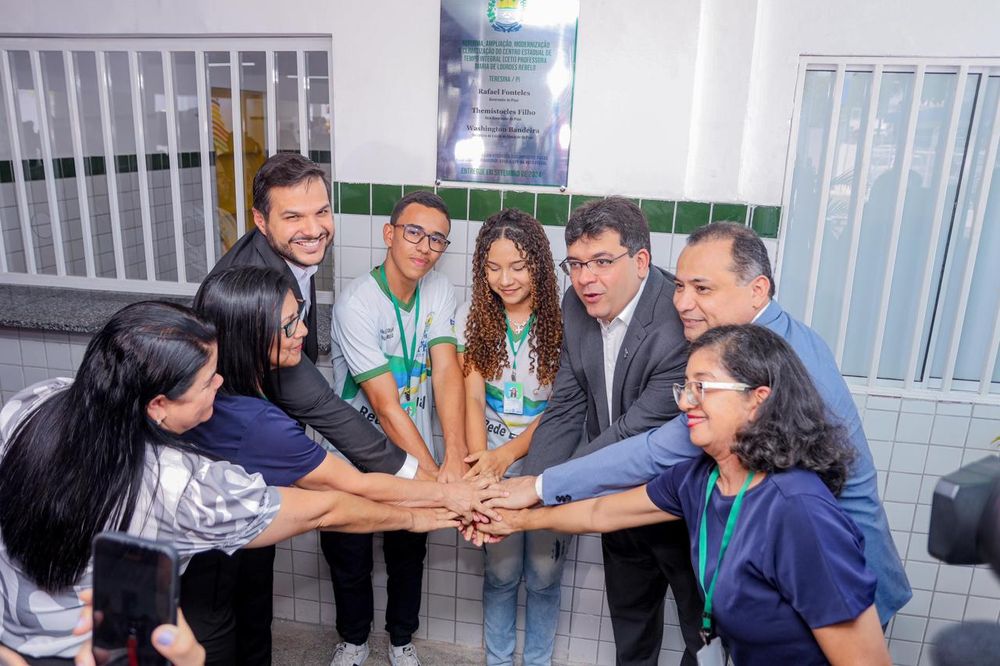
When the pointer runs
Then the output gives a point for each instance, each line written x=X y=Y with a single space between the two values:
x=409 y=468
x=538 y=488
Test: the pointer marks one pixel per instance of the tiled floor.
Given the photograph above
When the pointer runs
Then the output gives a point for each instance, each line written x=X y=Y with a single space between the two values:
x=300 y=644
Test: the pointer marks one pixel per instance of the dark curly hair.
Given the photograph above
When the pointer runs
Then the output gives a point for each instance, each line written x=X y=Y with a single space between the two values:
x=485 y=329
x=791 y=428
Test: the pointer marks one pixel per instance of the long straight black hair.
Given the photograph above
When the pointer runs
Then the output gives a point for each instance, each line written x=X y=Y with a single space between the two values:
x=244 y=303
x=74 y=466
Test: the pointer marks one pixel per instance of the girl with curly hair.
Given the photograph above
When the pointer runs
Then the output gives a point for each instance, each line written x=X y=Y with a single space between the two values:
x=509 y=339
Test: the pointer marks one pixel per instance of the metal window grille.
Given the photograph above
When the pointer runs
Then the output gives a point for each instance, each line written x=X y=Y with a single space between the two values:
x=126 y=163
x=890 y=246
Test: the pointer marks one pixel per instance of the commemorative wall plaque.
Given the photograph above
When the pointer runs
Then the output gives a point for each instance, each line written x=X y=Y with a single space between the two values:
x=505 y=90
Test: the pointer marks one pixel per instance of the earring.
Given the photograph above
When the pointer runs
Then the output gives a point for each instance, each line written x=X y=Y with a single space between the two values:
x=159 y=422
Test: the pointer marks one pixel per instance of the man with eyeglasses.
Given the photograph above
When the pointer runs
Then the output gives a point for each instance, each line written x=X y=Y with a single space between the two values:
x=724 y=277
x=623 y=348
x=389 y=328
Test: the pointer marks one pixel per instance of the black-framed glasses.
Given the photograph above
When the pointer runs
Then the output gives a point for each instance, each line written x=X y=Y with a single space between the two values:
x=293 y=323
x=599 y=266
x=694 y=392
x=415 y=233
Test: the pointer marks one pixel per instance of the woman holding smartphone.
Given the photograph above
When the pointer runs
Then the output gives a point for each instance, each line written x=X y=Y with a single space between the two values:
x=509 y=339
x=261 y=329
x=105 y=452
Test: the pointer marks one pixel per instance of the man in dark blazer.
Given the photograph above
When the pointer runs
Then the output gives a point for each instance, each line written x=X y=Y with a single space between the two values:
x=623 y=349
x=294 y=227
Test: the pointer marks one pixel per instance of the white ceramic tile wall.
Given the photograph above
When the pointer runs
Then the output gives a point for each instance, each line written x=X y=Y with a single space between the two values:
x=913 y=441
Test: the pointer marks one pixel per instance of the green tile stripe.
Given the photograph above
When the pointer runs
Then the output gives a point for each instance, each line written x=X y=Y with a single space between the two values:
x=551 y=209
x=722 y=212
x=483 y=203
x=765 y=220
x=65 y=167
x=659 y=214
x=384 y=197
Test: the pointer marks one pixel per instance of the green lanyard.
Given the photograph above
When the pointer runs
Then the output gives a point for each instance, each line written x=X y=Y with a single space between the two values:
x=706 y=617
x=409 y=360
x=520 y=342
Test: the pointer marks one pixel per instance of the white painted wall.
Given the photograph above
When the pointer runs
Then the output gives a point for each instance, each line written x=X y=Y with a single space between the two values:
x=687 y=99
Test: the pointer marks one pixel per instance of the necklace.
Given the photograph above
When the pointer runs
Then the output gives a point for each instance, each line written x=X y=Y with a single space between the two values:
x=517 y=327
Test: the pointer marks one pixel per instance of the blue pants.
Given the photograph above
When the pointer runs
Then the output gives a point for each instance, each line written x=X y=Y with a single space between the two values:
x=539 y=556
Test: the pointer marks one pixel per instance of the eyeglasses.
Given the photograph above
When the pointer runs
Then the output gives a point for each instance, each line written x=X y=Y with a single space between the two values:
x=694 y=392
x=415 y=233
x=293 y=323
x=599 y=266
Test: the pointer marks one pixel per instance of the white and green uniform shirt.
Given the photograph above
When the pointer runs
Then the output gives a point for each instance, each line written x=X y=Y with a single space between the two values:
x=502 y=427
x=365 y=343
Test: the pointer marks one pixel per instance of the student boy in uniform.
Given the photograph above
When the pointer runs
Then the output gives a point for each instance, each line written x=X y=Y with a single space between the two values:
x=390 y=328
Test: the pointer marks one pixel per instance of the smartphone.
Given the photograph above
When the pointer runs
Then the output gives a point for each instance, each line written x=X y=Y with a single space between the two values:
x=135 y=590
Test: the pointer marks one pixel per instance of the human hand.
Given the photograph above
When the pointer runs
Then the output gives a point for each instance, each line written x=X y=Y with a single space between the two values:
x=10 y=658
x=468 y=499
x=494 y=531
x=427 y=471
x=491 y=464
x=176 y=642
x=522 y=494
x=428 y=520
x=425 y=474
x=452 y=469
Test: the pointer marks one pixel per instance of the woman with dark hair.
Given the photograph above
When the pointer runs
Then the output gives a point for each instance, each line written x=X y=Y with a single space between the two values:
x=509 y=339
x=781 y=567
x=104 y=452
x=228 y=599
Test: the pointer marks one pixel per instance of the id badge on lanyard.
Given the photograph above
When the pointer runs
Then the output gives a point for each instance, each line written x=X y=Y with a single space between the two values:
x=712 y=654
x=513 y=391
x=513 y=398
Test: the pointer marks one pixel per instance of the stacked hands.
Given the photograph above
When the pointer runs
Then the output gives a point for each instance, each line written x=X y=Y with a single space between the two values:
x=503 y=504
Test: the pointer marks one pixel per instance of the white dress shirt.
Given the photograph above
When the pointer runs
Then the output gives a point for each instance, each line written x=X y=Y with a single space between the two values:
x=612 y=335
x=303 y=274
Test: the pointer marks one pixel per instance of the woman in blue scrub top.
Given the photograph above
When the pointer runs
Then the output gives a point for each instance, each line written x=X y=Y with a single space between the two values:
x=227 y=600
x=781 y=567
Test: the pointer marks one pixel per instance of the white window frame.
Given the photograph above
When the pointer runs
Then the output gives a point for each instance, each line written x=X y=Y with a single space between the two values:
x=199 y=45
x=983 y=391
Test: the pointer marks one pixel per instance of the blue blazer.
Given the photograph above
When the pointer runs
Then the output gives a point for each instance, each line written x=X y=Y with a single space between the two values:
x=637 y=460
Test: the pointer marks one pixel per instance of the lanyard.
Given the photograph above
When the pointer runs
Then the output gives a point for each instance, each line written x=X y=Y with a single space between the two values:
x=520 y=342
x=409 y=360
x=706 y=617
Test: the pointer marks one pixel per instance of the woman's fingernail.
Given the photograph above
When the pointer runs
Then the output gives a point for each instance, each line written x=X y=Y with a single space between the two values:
x=166 y=637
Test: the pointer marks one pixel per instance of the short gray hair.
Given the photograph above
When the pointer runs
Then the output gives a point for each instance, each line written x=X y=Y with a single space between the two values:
x=748 y=253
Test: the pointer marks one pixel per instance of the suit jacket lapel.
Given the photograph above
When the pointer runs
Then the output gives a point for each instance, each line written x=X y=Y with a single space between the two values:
x=272 y=259
x=593 y=359
x=642 y=318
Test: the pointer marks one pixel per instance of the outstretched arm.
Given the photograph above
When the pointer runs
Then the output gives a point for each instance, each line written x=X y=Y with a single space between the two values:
x=304 y=510
x=460 y=497
x=305 y=395
x=631 y=508
x=625 y=464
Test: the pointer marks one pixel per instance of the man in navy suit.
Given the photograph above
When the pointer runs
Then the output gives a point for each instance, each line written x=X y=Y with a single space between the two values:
x=724 y=277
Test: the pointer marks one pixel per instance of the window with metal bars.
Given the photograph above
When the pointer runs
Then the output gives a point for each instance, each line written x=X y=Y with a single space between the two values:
x=890 y=247
x=127 y=163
